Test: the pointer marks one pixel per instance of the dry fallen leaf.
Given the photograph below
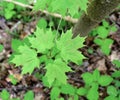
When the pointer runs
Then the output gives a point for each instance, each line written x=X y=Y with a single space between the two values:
x=101 y=65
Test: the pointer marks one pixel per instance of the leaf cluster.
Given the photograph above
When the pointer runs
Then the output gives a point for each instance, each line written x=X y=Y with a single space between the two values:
x=10 y=10
x=42 y=48
x=113 y=90
x=64 y=7
x=92 y=83
x=4 y=95
x=102 y=39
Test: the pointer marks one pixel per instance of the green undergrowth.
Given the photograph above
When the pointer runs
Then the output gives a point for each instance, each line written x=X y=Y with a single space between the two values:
x=5 y=95
x=11 y=11
x=54 y=56
x=64 y=8
x=44 y=48
x=51 y=49
x=102 y=40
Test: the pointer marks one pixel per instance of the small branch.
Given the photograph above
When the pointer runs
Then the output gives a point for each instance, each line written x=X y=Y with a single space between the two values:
x=15 y=26
x=67 y=18
x=20 y=4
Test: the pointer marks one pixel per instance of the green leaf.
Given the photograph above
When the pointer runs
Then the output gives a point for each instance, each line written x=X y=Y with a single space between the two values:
x=15 y=99
x=68 y=6
x=96 y=75
x=43 y=59
x=117 y=63
x=105 y=80
x=1 y=47
x=54 y=52
x=111 y=98
x=69 y=47
x=87 y=77
x=117 y=83
x=57 y=84
x=55 y=92
x=29 y=95
x=23 y=1
x=56 y=71
x=15 y=44
x=42 y=41
x=102 y=31
x=45 y=81
x=27 y=58
x=119 y=97
x=106 y=47
x=60 y=99
x=42 y=23
x=111 y=90
x=105 y=24
x=116 y=74
x=42 y=4
x=82 y=91
x=4 y=95
x=76 y=97
x=9 y=13
x=83 y=4
x=113 y=28
x=119 y=92
x=38 y=75
x=63 y=6
x=93 y=93
x=10 y=6
x=90 y=51
x=68 y=89
x=13 y=79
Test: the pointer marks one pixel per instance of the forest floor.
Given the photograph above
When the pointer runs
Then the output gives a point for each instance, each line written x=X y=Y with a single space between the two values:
x=19 y=29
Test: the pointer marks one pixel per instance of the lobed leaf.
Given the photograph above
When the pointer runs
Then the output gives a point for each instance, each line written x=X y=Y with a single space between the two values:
x=29 y=96
x=27 y=58
x=42 y=41
x=63 y=7
x=69 y=47
x=55 y=92
x=56 y=71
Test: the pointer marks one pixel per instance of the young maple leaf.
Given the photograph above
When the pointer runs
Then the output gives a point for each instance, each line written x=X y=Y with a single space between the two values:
x=27 y=58
x=56 y=71
x=62 y=6
x=42 y=4
x=71 y=5
x=69 y=47
x=42 y=40
x=83 y=4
